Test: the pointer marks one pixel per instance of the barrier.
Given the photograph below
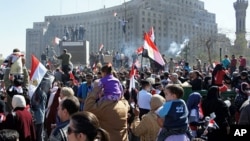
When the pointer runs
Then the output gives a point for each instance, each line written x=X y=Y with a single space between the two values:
x=225 y=95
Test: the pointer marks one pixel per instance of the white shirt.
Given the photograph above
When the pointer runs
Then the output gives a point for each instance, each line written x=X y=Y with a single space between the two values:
x=144 y=98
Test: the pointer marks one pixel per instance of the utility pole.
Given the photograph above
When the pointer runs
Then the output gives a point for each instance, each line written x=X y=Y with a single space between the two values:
x=124 y=20
x=60 y=7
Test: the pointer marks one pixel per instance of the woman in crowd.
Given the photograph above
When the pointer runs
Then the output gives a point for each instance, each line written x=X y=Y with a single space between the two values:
x=84 y=126
x=214 y=104
x=147 y=129
x=196 y=80
x=193 y=104
x=21 y=120
x=218 y=75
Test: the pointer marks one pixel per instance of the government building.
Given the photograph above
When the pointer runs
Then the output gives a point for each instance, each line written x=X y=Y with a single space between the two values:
x=173 y=21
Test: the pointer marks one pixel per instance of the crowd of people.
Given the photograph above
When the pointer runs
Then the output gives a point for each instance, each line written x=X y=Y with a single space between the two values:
x=101 y=105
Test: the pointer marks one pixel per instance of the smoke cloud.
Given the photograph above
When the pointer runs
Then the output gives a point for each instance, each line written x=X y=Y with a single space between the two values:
x=176 y=49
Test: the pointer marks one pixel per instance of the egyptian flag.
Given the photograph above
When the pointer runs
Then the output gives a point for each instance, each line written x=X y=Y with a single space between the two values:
x=57 y=41
x=213 y=124
x=151 y=51
x=94 y=67
x=151 y=34
x=137 y=64
x=139 y=50
x=101 y=47
x=37 y=72
x=132 y=78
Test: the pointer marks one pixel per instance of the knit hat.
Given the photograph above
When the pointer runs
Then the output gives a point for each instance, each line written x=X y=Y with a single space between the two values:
x=2 y=106
x=18 y=101
x=156 y=102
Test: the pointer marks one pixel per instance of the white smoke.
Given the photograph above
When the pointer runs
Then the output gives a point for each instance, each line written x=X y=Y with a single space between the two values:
x=129 y=50
x=176 y=49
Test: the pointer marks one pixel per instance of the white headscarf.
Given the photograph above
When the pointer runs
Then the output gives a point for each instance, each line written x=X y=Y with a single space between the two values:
x=18 y=101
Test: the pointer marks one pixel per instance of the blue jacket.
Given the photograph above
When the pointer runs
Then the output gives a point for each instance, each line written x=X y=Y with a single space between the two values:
x=175 y=113
x=38 y=103
x=83 y=92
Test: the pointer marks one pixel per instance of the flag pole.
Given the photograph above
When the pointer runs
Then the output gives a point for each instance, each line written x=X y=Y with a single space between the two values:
x=141 y=63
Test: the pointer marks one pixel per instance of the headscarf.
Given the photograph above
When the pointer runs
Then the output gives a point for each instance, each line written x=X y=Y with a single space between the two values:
x=18 y=101
x=156 y=102
x=193 y=101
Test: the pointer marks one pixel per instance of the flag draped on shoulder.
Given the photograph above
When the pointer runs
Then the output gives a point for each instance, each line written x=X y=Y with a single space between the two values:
x=37 y=72
x=132 y=78
x=152 y=50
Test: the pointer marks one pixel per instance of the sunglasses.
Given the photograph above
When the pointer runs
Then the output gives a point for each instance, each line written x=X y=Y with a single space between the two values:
x=70 y=130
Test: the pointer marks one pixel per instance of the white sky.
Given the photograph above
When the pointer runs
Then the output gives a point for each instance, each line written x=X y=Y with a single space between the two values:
x=17 y=16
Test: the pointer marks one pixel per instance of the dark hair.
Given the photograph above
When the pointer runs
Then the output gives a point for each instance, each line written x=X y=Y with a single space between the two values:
x=107 y=68
x=88 y=124
x=16 y=50
x=213 y=92
x=71 y=104
x=175 y=89
x=89 y=75
x=9 y=135
x=144 y=83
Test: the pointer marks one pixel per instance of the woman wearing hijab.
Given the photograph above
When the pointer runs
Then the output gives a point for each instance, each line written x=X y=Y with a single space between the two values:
x=214 y=104
x=21 y=120
x=147 y=128
x=193 y=104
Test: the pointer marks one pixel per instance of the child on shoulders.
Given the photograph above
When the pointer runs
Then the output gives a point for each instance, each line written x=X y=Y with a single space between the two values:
x=111 y=86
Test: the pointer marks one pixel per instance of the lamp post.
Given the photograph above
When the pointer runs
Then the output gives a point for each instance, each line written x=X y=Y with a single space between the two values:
x=186 y=52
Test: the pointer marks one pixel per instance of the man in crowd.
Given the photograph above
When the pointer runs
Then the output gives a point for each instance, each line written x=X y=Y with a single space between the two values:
x=66 y=63
x=66 y=108
x=243 y=63
x=84 y=89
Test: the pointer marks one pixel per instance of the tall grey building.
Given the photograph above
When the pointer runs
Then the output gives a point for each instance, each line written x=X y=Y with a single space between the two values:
x=173 y=21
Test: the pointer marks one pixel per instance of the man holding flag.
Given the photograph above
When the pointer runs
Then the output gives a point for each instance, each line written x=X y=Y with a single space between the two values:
x=38 y=90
